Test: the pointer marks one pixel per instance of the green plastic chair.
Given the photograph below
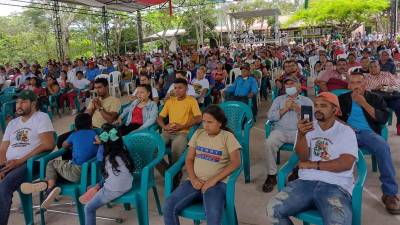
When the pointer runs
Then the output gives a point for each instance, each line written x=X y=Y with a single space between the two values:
x=142 y=148
x=240 y=120
x=72 y=190
x=285 y=147
x=196 y=210
x=7 y=109
x=313 y=216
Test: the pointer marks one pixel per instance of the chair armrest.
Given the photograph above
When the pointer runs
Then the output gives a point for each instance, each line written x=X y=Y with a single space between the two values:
x=360 y=181
x=285 y=170
x=93 y=173
x=268 y=128
x=31 y=161
x=171 y=173
x=45 y=159
x=84 y=175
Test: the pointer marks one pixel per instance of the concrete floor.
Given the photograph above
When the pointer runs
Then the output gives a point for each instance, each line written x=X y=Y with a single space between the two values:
x=250 y=200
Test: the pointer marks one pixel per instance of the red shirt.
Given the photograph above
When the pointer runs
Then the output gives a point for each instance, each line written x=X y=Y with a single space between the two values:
x=137 y=116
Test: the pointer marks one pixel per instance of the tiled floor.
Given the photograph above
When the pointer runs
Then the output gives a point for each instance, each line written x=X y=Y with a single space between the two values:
x=250 y=200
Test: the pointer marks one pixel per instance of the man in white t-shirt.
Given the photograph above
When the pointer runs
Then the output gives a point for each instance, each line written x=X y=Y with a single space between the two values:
x=146 y=80
x=200 y=84
x=80 y=82
x=327 y=150
x=29 y=134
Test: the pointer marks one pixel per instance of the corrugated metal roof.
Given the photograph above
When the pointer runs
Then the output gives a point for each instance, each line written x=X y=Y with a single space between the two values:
x=120 y=5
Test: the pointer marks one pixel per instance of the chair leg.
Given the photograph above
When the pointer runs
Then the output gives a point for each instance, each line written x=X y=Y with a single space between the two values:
x=42 y=211
x=26 y=202
x=155 y=192
x=305 y=223
x=246 y=165
x=374 y=164
x=142 y=212
x=79 y=210
x=278 y=157
x=196 y=222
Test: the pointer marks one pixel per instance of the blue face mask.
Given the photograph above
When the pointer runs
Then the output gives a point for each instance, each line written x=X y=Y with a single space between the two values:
x=291 y=91
x=170 y=71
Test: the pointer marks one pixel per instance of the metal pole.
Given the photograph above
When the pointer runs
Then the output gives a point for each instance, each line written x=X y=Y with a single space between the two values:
x=57 y=30
x=106 y=30
x=139 y=30
x=394 y=18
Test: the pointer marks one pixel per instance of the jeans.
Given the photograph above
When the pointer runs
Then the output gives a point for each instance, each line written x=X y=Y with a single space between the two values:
x=377 y=146
x=102 y=197
x=331 y=201
x=8 y=185
x=184 y=195
x=395 y=106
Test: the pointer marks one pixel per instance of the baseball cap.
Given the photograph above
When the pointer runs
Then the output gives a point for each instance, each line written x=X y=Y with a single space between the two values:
x=245 y=66
x=291 y=78
x=331 y=98
x=27 y=95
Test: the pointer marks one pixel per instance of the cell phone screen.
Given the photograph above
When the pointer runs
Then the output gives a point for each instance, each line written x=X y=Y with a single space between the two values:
x=306 y=112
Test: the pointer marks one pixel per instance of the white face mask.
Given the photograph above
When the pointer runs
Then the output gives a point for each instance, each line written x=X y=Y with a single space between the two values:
x=291 y=91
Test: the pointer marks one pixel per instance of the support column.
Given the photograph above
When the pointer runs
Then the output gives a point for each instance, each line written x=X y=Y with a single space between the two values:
x=106 y=30
x=394 y=19
x=276 y=29
x=139 y=31
x=57 y=29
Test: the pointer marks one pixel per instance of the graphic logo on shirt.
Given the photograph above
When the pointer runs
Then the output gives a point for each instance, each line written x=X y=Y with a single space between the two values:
x=22 y=137
x=209 y=154
x=321 y=148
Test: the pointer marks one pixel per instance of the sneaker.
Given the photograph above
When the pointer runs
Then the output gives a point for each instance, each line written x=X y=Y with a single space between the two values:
x=392 y=204
x=269 y=183
x=89 y=194
x=29 y=188
x=398 y=129
x=51 y=194
x=74 y=112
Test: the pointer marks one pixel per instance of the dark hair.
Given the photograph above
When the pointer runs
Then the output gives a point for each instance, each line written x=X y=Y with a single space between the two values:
x=341 y=60
x=180 y=72
x=83 y=121
x=148 y=89
x=101 y=80
x=38 y=84
x=218 y=114
x=112 y=149
x=80 y=72
x=180 y=81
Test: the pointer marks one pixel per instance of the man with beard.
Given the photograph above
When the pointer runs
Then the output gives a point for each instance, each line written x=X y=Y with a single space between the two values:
x=29 y=134
x=367 y=113
x=327 y=150
x=290 y=68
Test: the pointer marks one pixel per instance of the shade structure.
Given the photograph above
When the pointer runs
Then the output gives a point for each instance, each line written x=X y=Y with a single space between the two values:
x=119 y=5
x=255 y=13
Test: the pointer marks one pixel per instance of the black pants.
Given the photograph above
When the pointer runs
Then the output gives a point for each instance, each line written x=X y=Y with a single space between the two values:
x=124 y=130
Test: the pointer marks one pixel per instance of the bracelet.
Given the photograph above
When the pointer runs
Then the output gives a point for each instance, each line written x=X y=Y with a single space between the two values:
x=318 y=165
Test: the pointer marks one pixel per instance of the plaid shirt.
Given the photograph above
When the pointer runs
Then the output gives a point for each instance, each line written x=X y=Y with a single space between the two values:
x=375 y=82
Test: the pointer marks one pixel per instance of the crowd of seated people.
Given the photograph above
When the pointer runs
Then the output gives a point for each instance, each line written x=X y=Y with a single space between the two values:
x=170 y=90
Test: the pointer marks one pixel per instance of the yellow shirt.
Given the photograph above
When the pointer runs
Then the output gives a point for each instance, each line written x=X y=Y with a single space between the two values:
x=110 y=104
x=181 y=111
x=212 y=152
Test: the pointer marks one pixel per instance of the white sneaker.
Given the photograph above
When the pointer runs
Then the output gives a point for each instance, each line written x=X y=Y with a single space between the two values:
x=74 y=112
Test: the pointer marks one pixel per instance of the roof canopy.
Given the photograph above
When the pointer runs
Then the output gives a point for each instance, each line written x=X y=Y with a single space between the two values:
x=255 y=13
x=120 y=5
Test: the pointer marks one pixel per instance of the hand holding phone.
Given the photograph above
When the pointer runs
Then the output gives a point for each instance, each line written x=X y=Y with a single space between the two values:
x=306 y=113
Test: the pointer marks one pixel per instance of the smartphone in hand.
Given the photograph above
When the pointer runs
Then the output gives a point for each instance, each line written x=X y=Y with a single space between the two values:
x=306 y=112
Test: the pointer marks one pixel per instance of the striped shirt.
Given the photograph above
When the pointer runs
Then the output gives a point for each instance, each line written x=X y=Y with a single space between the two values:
x=375 y=82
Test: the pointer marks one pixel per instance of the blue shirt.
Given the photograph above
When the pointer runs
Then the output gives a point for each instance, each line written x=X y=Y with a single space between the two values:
x=108 y=70
x=91 y=74
x=357 y=119
x=83 y=148
x=243 y=87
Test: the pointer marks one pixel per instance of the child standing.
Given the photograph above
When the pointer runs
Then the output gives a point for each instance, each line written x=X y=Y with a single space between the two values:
x=84 y=148
x=118 y=169
x=213 y=155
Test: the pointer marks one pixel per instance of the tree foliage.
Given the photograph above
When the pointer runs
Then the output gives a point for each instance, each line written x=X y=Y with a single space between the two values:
x=344 y=14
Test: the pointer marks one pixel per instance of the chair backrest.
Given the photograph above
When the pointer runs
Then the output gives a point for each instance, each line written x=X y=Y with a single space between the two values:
x=237 y=113
x=9 y=90
x=142 y=148
x=115 y=78
x=5 y=98
x=338 y=92
x=18 y=81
